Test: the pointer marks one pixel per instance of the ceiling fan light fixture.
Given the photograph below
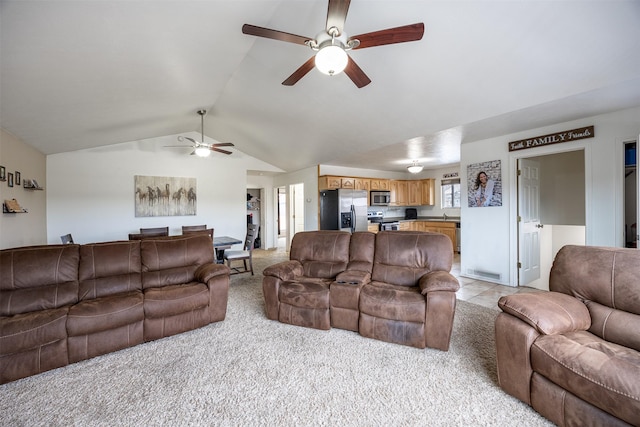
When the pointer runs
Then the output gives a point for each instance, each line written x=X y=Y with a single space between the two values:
x=415 y=168
x=331 y=60
x=202 y=151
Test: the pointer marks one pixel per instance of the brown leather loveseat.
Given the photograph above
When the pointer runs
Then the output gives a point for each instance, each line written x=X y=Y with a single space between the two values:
x=60 y=304
x=393 y=286
x=573 y=353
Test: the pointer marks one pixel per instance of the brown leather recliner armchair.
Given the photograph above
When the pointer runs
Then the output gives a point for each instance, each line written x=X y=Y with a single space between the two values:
x=573 y=353
x=411 y=298
x=297 y=291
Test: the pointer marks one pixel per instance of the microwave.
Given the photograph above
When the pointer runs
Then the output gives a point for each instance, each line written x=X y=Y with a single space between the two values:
x=380 y=198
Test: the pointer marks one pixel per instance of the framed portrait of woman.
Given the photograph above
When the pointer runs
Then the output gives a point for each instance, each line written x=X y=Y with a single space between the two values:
x=484 y=181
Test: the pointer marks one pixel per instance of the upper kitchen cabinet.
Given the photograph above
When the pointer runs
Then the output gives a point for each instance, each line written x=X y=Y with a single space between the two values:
x=328 y=182
x=380 y=184
x=362 y=184
x=398 y=193
x=428 y=192
x=414 y=193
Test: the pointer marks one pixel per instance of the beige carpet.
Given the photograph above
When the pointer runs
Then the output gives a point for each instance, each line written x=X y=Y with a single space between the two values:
x=252 y=371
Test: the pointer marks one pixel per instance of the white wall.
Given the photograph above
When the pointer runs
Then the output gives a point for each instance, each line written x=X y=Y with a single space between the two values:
x=90 y=192
x=23 y=229
x=309 y=178
x=489 y=238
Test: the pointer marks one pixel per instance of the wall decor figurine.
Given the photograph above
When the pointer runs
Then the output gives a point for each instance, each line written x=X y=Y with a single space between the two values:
x=3 y=173
x=484 y=181
x=10 y=179
x=17 y=178
x=164 y=196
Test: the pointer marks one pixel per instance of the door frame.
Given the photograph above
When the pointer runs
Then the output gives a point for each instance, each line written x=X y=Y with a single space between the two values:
x=513 y=194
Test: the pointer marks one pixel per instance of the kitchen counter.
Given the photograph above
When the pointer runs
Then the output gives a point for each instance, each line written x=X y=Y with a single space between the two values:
x=454 y=219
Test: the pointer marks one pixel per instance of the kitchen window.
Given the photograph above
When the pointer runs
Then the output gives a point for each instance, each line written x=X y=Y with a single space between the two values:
x=450 y=191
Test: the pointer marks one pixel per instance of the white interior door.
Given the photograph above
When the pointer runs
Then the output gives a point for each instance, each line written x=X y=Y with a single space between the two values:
x=529 y=221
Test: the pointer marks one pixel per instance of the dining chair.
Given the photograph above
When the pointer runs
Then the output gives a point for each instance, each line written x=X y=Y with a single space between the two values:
x=189 y=228
x=158 y=231
x=140 y=236
x=246 y=253
x=209 y=231
x=67 y=239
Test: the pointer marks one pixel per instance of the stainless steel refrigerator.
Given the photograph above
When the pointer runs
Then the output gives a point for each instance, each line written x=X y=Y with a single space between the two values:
x=344 y=210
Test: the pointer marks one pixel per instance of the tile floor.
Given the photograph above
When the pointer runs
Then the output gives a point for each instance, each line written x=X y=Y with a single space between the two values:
x=483 y=293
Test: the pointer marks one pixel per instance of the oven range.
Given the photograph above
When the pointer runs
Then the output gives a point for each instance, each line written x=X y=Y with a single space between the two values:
x=377 y=217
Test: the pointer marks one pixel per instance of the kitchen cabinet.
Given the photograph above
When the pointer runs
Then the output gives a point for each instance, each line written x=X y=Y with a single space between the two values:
x=327 y=182
x=379 y=184
x=374 y=228
x=362 y=184
x=349 y=183
x=414 y=193
x=444 y=227
x=398 y=193
x=428 y=192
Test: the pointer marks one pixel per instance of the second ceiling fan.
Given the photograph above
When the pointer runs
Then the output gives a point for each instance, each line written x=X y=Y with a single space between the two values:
x=332 y=44
x=201 y=148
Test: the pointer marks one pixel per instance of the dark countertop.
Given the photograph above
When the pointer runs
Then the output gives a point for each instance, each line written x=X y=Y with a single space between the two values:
x=455 y=219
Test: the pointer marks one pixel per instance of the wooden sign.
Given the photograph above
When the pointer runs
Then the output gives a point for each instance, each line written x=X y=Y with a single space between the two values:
x=553 y=138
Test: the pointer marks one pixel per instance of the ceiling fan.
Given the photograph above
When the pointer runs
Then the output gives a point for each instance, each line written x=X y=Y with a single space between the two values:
x=332 y=44
x=200 y=148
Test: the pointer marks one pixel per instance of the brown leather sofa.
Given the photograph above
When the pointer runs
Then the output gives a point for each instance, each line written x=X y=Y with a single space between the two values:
x=573 y=353
x=60 y=304
x=393 y=286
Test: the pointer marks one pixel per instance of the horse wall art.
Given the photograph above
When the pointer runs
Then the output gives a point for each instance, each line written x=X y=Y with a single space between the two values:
x=165 y=196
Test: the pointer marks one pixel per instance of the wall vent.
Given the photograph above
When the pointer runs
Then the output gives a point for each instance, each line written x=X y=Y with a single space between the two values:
x=485 y=274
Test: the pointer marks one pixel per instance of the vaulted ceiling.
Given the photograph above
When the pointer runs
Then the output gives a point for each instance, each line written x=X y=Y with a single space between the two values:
x=81 y=74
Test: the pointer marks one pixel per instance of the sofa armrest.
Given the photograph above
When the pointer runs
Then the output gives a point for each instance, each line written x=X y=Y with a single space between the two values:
x=286 y=270
x=438 y=281
x=206 y=272
x=354 y=277
x=550 y=313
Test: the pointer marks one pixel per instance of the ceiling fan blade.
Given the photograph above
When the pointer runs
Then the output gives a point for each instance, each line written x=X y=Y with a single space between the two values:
x=273 y=34
x=406 y=33
x=337 y=14
x=223 y=144
x=220 y=150
x=300 y=72
x=180 y=146
x=356 y=74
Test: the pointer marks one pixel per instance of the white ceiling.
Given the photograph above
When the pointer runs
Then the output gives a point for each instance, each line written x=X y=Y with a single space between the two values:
x=80 y=74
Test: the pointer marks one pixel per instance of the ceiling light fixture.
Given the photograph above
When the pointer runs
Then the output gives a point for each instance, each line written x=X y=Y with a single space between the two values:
x=331 y=59
x=415 y=167
x=202 y=151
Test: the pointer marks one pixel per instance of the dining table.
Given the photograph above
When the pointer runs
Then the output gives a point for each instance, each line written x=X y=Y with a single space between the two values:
x=221 y=243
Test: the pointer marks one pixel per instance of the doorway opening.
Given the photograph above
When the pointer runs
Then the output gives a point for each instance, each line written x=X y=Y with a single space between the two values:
x=551 y=212
x=631 y=179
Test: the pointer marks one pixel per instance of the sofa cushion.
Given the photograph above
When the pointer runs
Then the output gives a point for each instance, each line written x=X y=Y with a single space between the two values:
x=175 y=299
x=173 y=260
x=602 y=373
x=322 y=254
x=109 y=268
x=34 y=278
x=606 y=280
x=305 y=293
x=101 y=314
x=392 y=302
x=361 y=251
x=31 y=330
x=403 y=257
